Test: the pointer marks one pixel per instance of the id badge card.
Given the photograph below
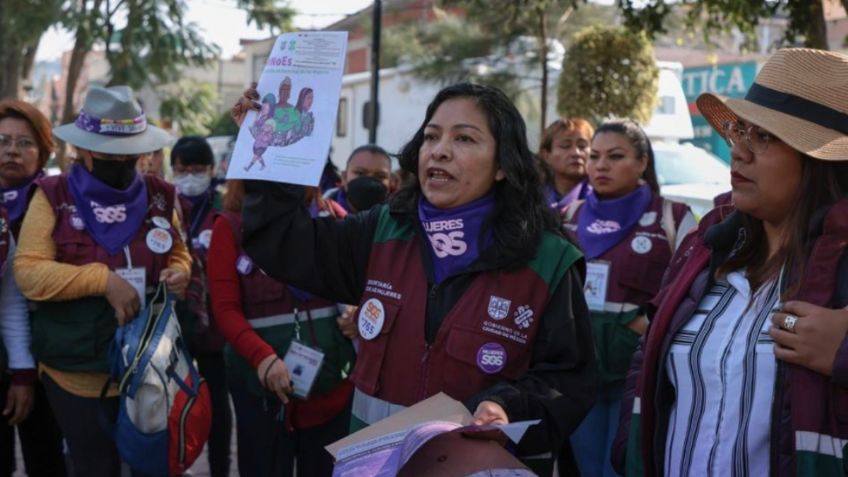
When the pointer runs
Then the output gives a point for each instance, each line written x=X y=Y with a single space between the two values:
x=595 y=289
x=304 y=363
x=137 y=277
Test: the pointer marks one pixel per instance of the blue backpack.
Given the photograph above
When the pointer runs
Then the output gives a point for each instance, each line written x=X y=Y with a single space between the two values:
x=165 y=412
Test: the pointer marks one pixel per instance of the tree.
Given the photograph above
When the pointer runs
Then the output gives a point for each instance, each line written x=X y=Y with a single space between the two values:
x=509 y=19
x=223 y=125
x=22 y=23
x=806 y=17
x=151 y=43
x=608 y=71
x=190 y=106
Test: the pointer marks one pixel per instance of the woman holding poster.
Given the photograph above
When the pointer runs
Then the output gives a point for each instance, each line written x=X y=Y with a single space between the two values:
x=465 y=284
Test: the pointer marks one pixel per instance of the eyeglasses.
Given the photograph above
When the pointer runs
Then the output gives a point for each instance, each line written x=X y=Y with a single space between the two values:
x=755 y=138
x=23 y=143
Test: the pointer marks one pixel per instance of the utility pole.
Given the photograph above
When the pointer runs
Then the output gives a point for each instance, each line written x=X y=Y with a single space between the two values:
x=377 y=21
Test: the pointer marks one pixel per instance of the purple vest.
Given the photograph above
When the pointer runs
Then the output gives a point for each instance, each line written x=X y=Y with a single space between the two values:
x=638 y=262
x=76 y=247
x=486 y=337
x=261 y=295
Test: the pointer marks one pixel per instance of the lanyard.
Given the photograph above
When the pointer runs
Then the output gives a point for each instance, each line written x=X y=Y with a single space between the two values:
x=128 y=256
x=197 y=218
x=309 y=322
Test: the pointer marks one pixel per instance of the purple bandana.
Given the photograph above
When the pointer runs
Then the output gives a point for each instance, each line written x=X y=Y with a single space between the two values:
x=577 y=192
x=111 y=127
x=14 y=199
x=111 y=216
x=604 y=223
x=454 y=234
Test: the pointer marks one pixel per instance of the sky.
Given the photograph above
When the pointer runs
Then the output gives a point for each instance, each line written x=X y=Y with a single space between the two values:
x=224 y=24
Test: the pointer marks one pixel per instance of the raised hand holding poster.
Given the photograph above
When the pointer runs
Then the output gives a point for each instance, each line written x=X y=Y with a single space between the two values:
x=289 y=138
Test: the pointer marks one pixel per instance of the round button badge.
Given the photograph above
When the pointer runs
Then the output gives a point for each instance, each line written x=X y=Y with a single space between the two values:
x=159 y=240
x=491 y=358
x=641 y=244
x=372 y=316
x=161 y=222
x=205 y=238
x=648 y=219
x=244 y=265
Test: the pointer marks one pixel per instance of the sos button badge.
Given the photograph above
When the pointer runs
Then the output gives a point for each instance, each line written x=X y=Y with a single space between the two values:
x=491 y=358
x=372 y=316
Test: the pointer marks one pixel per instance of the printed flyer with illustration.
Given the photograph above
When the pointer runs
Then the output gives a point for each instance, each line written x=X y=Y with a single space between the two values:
x=398 y=444
x=288 y=140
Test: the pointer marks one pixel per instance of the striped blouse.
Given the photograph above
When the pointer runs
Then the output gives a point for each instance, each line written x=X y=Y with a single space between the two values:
x=722 y=367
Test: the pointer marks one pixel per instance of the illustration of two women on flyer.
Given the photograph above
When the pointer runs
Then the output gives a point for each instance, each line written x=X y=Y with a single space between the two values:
x=279 y=123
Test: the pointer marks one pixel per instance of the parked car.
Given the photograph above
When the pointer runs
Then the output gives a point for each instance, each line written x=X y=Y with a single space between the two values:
x=689 y=174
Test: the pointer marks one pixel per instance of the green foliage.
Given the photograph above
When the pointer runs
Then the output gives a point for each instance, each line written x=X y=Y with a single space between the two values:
x=608 y=71
x=714 y=17
x=149 y=41
x=223 y=125
x=276 y=15
x=21 y=27
x=191 y=106
x=154 y=43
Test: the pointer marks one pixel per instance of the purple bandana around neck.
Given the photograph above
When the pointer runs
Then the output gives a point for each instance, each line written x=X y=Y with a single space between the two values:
x=302 y=295
x=577 y=192
x=15 y=199
x=455 y=234
x=111 y=216
x=604 y=223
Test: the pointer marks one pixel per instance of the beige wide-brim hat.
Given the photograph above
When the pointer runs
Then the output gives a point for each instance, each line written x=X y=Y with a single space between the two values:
x=112 y=122
x=800 y=96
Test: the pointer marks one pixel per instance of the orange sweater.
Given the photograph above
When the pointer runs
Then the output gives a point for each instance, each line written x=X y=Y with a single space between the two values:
x=41 y=278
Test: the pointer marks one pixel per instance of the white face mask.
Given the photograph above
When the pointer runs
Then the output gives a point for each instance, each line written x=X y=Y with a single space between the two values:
x=192 y=184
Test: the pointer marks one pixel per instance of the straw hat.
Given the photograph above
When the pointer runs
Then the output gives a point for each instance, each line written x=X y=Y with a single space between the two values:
x=800 y=96
x=112 y=122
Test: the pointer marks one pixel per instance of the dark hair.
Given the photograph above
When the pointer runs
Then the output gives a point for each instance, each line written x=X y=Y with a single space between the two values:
x=192 y=150
x=373 y=149
x=16 y=109
x=641 y=144
x=301 y=97
x=521 y=215
x=822 y=184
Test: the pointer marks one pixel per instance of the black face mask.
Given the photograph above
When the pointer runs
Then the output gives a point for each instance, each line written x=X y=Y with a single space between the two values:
x=365 y=192
x=117 y=174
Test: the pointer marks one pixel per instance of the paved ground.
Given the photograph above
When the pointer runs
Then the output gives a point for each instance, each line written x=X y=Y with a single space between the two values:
x=199 y=469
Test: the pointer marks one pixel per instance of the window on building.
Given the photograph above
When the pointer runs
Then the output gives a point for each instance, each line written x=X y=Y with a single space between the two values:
x=366 y=115
x=341 y=118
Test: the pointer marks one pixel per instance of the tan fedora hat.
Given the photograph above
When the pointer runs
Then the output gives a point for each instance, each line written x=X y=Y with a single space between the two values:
x=112 y=122
x=800 y=96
